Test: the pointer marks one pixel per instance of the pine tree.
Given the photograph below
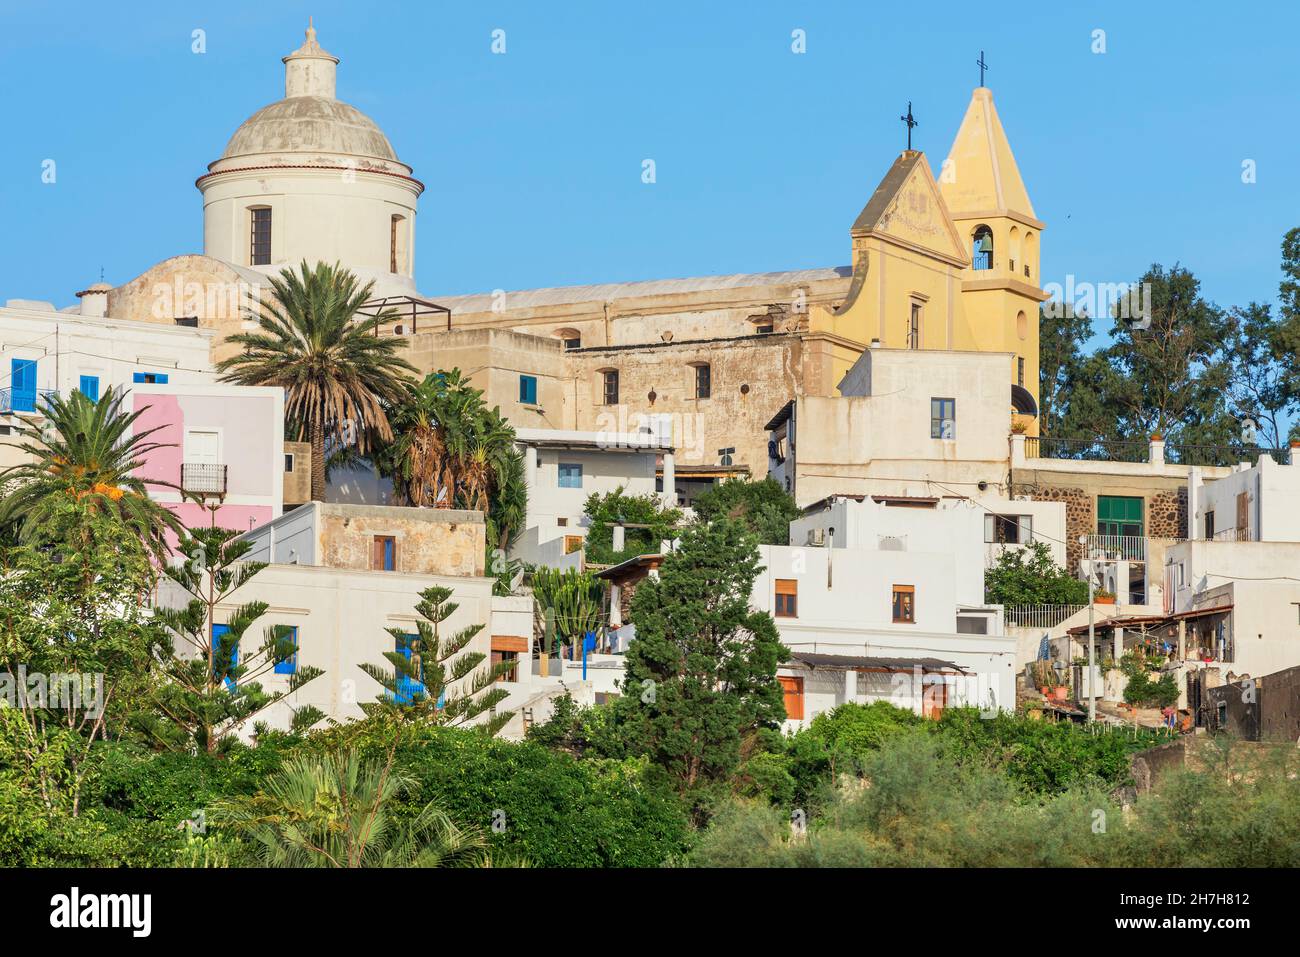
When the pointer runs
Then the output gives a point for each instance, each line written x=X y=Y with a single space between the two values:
x=436 y=680
x=701 y=671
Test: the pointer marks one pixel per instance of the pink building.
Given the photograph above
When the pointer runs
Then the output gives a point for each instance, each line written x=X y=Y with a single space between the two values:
x=225 y=442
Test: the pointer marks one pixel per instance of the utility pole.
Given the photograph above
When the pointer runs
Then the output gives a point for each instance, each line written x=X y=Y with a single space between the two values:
x=1092 y=614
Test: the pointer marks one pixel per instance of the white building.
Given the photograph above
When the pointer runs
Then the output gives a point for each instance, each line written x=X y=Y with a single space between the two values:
x=1253 y=503
x=907 y=423
x=562 y=468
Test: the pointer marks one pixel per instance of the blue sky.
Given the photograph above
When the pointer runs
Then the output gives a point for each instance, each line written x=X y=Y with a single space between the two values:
x=532 y=160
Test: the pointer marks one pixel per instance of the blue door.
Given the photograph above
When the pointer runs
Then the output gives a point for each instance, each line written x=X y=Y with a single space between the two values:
x=89 y=387
x=22 y=379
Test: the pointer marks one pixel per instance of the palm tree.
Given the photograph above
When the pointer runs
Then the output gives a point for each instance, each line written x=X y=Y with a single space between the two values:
x=337 y=374
x=87 y=451
x=335 y=810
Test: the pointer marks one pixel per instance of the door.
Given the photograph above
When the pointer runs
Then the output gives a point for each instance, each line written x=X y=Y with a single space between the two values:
x=202 y=447
x=1243 y=517
x=22 y=380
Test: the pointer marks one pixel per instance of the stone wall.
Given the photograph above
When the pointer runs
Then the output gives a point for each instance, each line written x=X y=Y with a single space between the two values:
x=297 y=484
x=451 y=544
x=752 y=377
x=1167 y=513
x=1080 y=517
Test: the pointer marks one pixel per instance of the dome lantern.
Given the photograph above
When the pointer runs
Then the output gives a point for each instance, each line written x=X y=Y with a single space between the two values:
x=310 y=70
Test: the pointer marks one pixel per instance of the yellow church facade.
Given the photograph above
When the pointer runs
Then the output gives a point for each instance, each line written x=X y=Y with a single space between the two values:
x=948 y=263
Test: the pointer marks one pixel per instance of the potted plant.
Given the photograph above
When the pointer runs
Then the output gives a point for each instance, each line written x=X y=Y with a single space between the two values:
x=1019 y=426
x=1103 y=597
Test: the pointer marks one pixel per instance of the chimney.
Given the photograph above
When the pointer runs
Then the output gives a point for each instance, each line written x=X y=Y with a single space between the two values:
x=94 y=301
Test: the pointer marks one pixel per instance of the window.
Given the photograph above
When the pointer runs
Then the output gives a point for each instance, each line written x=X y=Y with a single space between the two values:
x=982 y=248
x=259 y=250
x=22 y=383
x=1020 y=372
x=149 y=378
x=787 y=598
x=610 y=386
x=943 y=418
x=218 y=635
x=290 y=665
x=914 y=327
x=383 y=556
x=904 y=604
x=765 y=329
x=506 y=650
x=1209 y=524
x=572 y=543
x=703 y=381
x=288 y=462
x=395 y=252
x=1008 y=529
x=528 y=389
x=562 y=522
x=570 y=475
x=1119 y=515
x=574 y=343
x=792 y=692
x=1243 y=517
x=89 y=387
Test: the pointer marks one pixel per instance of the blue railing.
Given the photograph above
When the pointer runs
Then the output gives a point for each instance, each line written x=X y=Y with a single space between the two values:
x=23 y=400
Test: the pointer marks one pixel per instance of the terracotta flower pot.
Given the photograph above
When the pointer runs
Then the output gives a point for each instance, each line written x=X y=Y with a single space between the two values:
x=1104 y=601
x=1060 y=693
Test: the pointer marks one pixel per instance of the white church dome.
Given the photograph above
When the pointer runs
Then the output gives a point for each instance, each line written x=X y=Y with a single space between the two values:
x=310 y=124
x=311 y=178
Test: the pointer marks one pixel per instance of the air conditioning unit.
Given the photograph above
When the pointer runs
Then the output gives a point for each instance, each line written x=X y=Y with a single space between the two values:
x=816 y=536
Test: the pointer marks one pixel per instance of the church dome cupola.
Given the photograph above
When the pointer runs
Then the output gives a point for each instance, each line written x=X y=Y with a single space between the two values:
x=309 y=70
x=311 y=177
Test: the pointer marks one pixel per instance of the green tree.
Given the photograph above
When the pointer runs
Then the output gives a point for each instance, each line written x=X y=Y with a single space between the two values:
x=1029 y=576
x=647 y=523
x=87 y=451
x=764 y=507
x=213 y=680
x=1066 y=397
x=701 y=671
x=336 y=810
x=73 y=634
x=1169 y=377
x=336 y=372
x=435 y=680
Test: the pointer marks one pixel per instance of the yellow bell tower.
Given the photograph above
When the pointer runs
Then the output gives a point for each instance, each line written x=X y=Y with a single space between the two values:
x=987 y=201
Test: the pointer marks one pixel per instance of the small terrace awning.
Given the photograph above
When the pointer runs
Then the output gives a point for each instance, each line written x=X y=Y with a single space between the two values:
x=864 y=663
x=1023 y=401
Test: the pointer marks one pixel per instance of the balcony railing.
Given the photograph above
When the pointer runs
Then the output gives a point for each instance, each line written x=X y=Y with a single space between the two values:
x=1090 y=450
x=23 y=400
x=203 y=478
x=1128 y=548
x=1176 y=453
x=1232 y=535
x=1040 y=616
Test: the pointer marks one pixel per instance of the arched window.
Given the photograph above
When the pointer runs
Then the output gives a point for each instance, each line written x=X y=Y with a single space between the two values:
x=571 y=338
x=1031 y=254
x=982 y=248
x=259 y=245
x=1013 y=249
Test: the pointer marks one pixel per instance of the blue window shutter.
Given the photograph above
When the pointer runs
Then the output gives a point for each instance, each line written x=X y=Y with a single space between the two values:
x=22 y=380
x=570 y=475
x=406 y=687
x=290 y=665
x=89 y=387
x=528 y=389
x=160 y=378
x=390 y=557
x=156 y=378
x=137 y=377
x=217 y=632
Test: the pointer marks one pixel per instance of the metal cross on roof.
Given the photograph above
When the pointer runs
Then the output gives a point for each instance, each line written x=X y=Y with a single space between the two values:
x=911 y=122
x=982 y=65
